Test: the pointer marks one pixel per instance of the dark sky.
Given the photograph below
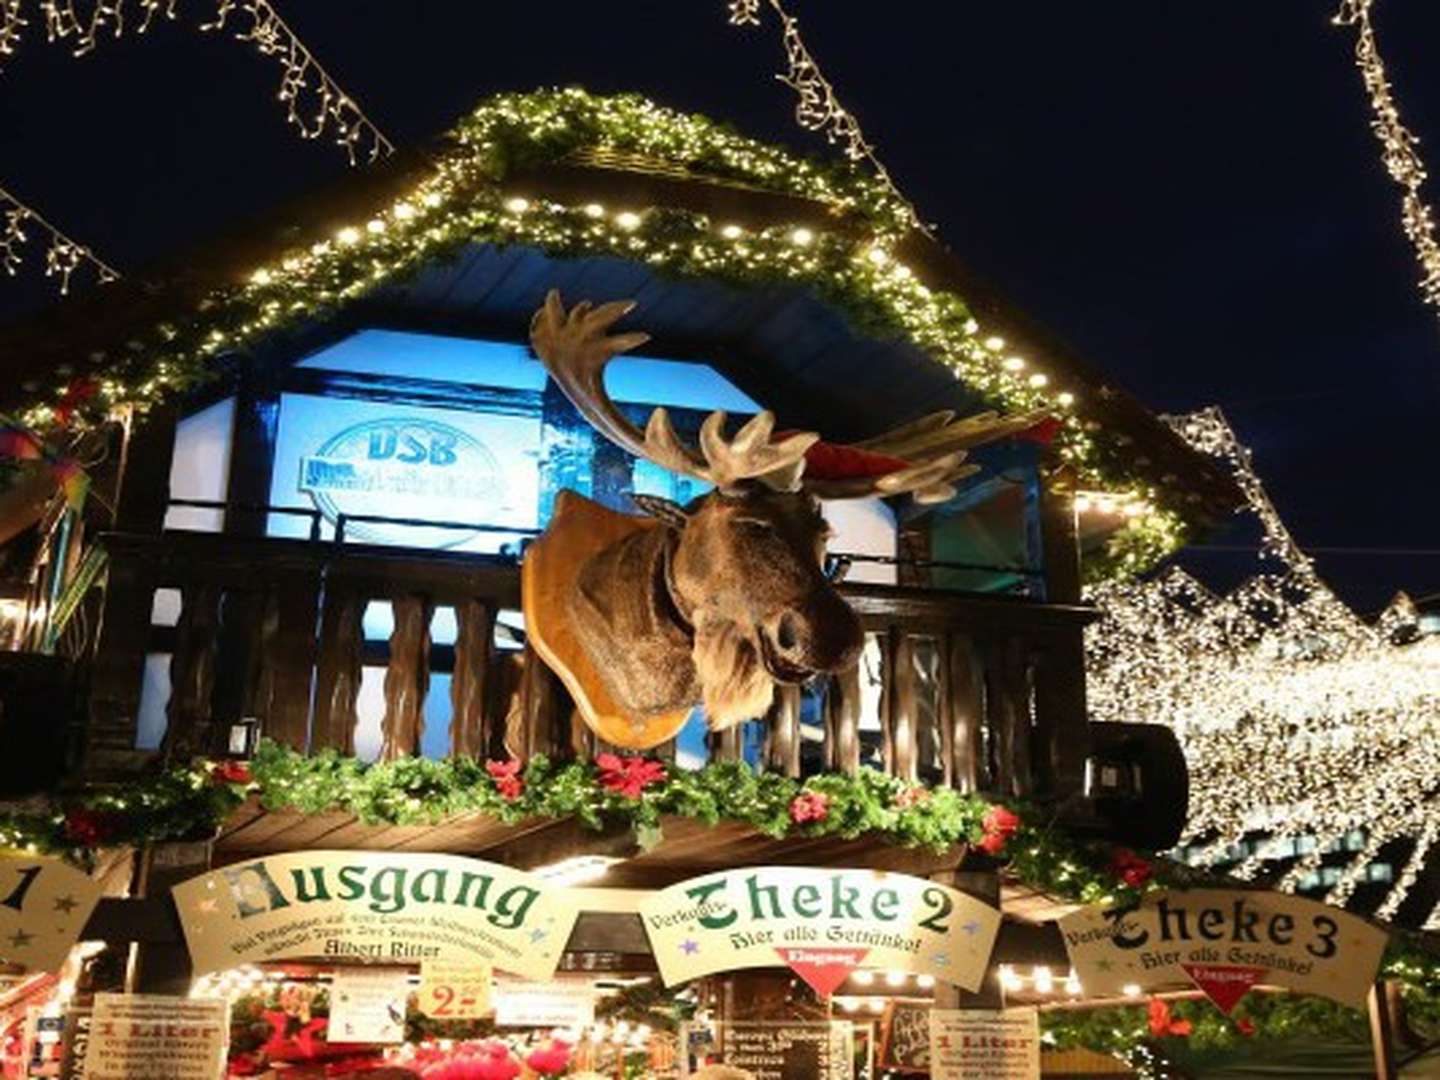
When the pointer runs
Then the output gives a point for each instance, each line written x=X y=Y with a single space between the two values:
x=1188 y=192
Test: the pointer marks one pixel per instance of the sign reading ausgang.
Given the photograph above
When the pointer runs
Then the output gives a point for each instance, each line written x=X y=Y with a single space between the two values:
x=774 y=916
x=377 y=906
x=1236 y=938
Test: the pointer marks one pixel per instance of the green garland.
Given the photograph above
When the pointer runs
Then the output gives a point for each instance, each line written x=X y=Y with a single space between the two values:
x=461 y=203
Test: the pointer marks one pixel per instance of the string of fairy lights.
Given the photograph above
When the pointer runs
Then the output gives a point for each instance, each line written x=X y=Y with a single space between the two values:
x=315 y=103
x=1399 y=146
x=1309 y=731
x=817 y=106
x=63 y=256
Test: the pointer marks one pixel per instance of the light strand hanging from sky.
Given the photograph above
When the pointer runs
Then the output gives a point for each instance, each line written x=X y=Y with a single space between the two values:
x=1308 y=730
x=63 y=256
x=315 y=103
x=1399 y=146
x=818 y=107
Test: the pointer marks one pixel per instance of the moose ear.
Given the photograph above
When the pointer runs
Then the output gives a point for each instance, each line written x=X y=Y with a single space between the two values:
x=672 y=513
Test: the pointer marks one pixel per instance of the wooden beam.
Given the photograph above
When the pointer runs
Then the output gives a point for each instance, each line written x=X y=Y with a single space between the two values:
x=1382 y=1007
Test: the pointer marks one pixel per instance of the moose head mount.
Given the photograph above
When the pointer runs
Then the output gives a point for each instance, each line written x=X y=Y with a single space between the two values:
x=717 y=601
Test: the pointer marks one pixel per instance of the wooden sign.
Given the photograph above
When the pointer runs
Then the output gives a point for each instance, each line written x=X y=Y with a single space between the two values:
x=786 y=915
x=150 y=1035
x=1225 y=940
x=377 y=906
x=44 y=904
x=985 y=1044
x=454 y=989
x=905 y=1038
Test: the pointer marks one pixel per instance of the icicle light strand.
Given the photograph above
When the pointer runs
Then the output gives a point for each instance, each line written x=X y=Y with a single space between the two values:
x=63 y=256
x=1399 y=146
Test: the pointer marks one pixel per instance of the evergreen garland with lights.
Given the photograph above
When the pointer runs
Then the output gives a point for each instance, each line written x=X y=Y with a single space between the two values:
x=854 y=266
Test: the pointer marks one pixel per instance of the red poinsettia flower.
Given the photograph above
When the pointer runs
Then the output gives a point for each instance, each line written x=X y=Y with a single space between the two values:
x=809 y=806
x=1130 y=868
x=1162 y=1024
x=231 y=772
x=506 y=775
x=912 y=796
x=88 y=828
x=997 y=826
x=628 y=775
x=1245 y=1026
x=551 y=1059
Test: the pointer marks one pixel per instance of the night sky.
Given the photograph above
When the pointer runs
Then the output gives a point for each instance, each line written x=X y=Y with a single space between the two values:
x=1188 y=192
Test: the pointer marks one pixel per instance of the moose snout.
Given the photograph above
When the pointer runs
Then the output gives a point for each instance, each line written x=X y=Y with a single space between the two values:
x=820 y=636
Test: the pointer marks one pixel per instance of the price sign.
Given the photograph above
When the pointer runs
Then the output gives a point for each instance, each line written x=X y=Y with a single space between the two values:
x=454 y=990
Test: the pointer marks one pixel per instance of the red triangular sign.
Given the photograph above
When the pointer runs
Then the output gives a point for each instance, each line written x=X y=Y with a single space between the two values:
x=822 y=969
x=1223 y=984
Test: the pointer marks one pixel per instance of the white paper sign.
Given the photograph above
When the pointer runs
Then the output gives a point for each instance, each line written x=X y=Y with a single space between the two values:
x=368 y=1005
x=158 y=1038
x=44 y=904
x=985 y=1044
x=544 y=1005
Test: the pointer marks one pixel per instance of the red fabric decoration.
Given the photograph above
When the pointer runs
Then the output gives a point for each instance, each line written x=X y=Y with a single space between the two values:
x=551 y=1059
x=18 y=444
x=506 y=775
x=832 y=461
x=80 y=390
x=997 y=826
x=1161 y=1023
x=628 y=775
x=809 y=806
x=231 y=772
x=1130 y=868
x=1043 y=433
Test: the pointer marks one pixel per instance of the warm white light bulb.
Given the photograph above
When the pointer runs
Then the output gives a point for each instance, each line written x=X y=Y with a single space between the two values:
x=517 y=205
x=801 y=237
x=627 y=220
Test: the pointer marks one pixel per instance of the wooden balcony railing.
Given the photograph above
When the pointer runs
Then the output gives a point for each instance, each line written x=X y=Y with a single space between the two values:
x=982 y=693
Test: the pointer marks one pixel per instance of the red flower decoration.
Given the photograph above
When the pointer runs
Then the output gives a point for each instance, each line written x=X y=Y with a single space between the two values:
x=1161 y=1023
x=809 y=806
x=231 y=772
x=551 y=1059
x=506 y=775
x=88 y=828
x=997 y=826
x=628 y=775
x=1130 y=868
x=1245 y=1026
x=912 y=796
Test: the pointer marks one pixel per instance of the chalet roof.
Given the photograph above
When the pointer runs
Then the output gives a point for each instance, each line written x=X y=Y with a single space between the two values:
x=826 y=349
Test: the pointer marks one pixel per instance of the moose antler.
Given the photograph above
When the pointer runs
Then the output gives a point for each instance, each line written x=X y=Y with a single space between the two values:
x=575 y=350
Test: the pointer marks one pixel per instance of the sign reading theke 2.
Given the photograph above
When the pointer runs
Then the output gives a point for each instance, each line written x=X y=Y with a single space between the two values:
x=821 y=923
x=374 y=905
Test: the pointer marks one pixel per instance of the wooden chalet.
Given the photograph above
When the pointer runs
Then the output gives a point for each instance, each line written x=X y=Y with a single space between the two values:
x=279 y=551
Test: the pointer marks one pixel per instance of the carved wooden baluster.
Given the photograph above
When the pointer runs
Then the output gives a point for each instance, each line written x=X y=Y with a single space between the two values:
x=192 y=673
x=505 y=706
x=407 y=679
x=542 y=706
x=783 y=724
x=468 y=685
x=1017 y=680
x=964 y=713
x=282 y=698
x=904 y=708
x=886 y=642
x=583 y=741
x=727 y=745
x=842 y=721
x=340 y=668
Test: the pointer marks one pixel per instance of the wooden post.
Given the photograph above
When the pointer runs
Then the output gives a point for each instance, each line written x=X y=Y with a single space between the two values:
x=1060 y=540
x=842 y=722
x=165 y=968
x=339 y=667
x=407 y=679
x=252 y=451
x=469 y=683
x=783 y=728
x=1384 y=1001
x=961 y=724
